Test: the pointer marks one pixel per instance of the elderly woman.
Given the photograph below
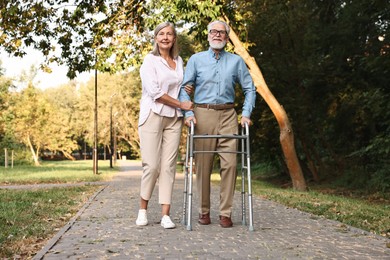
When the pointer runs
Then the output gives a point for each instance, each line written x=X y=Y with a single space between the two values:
x=160 y=121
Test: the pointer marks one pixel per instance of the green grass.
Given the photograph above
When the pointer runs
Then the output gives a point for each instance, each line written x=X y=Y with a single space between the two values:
x=370 y=213
x=56 y=172
x=29 y=218
x=357 y=212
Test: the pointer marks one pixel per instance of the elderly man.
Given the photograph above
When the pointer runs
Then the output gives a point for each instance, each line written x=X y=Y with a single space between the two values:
x=213 y=75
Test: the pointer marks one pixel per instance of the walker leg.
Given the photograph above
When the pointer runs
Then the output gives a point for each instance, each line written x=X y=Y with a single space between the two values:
x=248 y=165
x=191 y=153
x=185 y=192
x=189 y=212
x=243 y=206
x=183 y=221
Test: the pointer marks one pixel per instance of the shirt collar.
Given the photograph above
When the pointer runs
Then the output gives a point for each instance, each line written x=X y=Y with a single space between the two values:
x=212 y=53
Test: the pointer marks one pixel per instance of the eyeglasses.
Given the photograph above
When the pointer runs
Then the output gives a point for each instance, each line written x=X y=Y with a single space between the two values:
x=215 y=32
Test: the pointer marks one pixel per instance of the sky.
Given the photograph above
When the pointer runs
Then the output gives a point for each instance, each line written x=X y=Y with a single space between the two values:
x=15 y=66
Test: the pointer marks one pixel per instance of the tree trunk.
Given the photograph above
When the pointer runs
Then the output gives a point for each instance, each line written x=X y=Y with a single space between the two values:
x=68 y=155
x=34 y=154
x=286 y=132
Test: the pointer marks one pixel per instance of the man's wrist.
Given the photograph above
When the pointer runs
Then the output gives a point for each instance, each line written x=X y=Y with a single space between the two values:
x=246 y=114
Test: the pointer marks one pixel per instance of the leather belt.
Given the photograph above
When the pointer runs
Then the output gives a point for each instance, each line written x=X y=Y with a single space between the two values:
x=215 y=106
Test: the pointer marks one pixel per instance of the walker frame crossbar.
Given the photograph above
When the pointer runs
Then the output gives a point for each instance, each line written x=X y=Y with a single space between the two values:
x=245 y=172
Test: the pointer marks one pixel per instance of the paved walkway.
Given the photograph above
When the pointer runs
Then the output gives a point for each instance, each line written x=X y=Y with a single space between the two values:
x=105 y=229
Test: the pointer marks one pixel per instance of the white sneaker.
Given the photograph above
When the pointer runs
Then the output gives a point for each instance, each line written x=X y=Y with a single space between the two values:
x=167 y=223
x=142 y=219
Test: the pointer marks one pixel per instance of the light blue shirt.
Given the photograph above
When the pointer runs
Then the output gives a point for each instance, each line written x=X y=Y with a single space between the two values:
x=214 y=80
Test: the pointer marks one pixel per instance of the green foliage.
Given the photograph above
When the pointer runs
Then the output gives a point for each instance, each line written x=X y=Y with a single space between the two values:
x=30 y=115
x=5 y=86
x=119 y=94
x=21 y=157
x=324 y=63
x=371 y=179
x=74 y=32
x=108 y=36
x=380 y=179
x=61 y=130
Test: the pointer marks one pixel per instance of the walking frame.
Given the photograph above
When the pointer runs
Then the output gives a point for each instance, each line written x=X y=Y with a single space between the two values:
x=245 y=172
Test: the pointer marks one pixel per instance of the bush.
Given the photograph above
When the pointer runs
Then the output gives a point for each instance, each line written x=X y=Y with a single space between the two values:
x=21 y=157
x=380 y=180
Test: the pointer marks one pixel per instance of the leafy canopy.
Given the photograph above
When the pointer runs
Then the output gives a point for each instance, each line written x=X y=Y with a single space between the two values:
x=107 y=35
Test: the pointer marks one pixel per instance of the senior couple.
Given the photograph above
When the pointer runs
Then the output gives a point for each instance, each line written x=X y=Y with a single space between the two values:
x=211 y=76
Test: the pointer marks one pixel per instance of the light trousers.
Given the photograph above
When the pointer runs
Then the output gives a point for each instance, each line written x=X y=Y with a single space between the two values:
x=159 y=142
x=216 y=122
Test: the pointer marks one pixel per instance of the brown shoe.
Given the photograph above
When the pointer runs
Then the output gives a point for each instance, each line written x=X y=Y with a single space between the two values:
x=204 y=219
x=225 y=222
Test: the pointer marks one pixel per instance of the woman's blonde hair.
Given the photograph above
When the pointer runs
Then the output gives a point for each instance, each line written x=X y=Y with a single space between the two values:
x=174 y=52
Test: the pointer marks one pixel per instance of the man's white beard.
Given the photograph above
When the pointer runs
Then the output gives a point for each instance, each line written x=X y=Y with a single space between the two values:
x=217 y=45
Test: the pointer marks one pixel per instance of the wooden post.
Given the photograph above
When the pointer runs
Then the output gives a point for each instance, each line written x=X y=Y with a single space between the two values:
x=5 y=158
x=115 y=145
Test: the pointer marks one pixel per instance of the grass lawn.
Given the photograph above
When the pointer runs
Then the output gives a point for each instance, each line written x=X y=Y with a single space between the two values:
x=56 y=172
x=30 y=217
x=364 y=211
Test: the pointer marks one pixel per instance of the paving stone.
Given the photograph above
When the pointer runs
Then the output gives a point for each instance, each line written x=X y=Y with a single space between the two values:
x=105 y=229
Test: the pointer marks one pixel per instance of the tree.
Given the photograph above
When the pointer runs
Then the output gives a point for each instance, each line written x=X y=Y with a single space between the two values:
x=61 y=130
x=127 y=108
x=286 y=131
x=121 y=91
x=324 y=61
x=5 y=86
x=30 y=113
x=122 y=26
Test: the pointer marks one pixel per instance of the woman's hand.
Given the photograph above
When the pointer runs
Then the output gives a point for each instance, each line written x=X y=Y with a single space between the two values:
x=187 y=105
x=189 y=89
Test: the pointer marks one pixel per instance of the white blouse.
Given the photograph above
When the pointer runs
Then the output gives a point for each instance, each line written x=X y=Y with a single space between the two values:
x=159 y=79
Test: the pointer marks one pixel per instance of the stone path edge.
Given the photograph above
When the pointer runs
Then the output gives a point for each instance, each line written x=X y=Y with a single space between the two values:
x=51 y=243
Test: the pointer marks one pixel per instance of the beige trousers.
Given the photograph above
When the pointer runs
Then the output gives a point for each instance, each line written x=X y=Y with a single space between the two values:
x=159 y=141
x=216 y=122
